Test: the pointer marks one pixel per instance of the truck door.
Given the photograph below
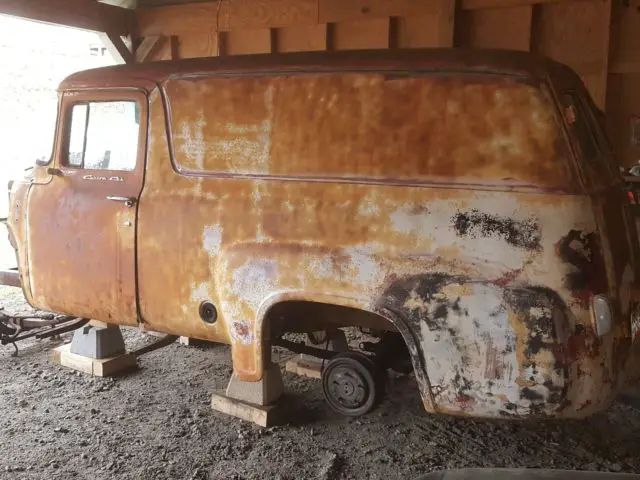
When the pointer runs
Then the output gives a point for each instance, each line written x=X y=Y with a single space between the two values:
x=81 y=220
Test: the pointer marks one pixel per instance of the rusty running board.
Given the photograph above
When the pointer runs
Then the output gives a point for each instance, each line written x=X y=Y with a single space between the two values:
x=10 y=277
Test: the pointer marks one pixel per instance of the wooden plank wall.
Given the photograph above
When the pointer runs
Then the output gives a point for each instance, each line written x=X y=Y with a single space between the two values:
x=600 y=39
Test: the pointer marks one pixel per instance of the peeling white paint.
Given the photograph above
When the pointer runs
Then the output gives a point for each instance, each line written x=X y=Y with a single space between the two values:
x=212 y=239
x=199 y=292
x=191 y=141
x=367 y=270
x=409 y=220
x=255 y=280
x=457 y=353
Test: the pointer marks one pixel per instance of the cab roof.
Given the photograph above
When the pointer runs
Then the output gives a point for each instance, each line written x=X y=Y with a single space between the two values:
x=147 y=76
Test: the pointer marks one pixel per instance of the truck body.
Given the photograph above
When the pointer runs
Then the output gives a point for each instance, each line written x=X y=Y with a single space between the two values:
x=466 y=201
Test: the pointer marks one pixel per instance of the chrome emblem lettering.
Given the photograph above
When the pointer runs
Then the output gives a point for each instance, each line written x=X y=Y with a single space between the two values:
x=103 y=179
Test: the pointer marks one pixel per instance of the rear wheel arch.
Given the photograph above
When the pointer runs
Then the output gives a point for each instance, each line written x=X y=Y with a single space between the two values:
x=270 y=309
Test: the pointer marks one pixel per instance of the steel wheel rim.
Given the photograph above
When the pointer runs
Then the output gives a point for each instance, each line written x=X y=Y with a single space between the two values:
x=348 y=387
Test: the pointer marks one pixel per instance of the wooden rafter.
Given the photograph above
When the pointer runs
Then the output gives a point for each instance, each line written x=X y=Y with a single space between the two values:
x=117 y=47
x=84 y=14
x=148 y=47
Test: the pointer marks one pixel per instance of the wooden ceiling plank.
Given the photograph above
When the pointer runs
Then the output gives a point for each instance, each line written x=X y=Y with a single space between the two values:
x=480 y=4
x=226 y=16
x=83 y=14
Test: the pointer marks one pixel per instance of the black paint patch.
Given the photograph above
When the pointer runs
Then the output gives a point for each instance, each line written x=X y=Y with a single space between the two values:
x=544 y=314
x=531 y=395
x=425 y=287
x=521 y=234
x=542 y=310
x=583 y=252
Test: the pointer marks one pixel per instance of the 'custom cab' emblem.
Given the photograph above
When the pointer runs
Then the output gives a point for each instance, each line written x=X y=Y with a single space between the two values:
x=103 y=179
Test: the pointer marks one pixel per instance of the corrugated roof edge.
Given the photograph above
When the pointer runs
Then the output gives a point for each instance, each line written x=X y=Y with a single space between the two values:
x=147 y=75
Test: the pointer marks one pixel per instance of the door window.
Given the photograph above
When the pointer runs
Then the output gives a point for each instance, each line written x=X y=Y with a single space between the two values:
x=104 y=135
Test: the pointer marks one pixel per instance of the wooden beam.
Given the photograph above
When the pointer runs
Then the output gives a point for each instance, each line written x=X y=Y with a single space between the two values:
x=446 y=21
x=117 y=48
x=624 y=67
x=577 y=34
x=148 y=48
x=341 y=10
x=174 y=47
x=226 y=16
x=479 y=4
x=83 y=14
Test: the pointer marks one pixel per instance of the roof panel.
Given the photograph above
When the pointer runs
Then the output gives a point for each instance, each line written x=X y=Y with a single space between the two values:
x=147 y=75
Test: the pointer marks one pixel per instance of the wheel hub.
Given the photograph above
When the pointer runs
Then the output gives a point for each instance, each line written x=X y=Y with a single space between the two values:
x=348 y=388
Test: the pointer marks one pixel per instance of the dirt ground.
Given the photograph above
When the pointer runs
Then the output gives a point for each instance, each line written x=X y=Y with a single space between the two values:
x=156 y=423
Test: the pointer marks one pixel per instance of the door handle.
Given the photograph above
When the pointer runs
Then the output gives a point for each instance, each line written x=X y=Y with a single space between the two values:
x=55 y=171
x=128 y=201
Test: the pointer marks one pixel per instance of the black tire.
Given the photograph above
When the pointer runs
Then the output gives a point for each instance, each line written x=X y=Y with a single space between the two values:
x=353 y=385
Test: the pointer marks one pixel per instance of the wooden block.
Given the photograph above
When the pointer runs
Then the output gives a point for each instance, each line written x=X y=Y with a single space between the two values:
x=103 y=367
x=508 y=28
x=304 y=38
x=361 y=34
x=244 y=42
x=199 y=45
x=99 y=324
x=298 y=366
x=266 y=416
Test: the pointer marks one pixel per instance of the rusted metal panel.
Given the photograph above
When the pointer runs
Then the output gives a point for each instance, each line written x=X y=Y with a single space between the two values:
x=450 y=204
x=464 y=129
x=81 y=255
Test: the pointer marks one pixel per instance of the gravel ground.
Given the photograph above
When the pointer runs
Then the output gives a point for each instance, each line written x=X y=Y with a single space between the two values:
x=155 y=423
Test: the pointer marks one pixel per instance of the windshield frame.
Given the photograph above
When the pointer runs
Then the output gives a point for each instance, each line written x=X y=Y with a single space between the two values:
x=56 y=125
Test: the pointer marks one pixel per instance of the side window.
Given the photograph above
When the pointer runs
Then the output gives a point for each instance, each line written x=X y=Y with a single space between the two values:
x=581 y=125
x=104 y=135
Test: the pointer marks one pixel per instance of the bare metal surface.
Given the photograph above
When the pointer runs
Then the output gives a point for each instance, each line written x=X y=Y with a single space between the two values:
x=453 y=205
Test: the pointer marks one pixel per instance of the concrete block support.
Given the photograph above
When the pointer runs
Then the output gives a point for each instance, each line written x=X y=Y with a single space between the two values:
x=98 y=342
x=96 y=349
x=256 y=402
x=265 y=392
